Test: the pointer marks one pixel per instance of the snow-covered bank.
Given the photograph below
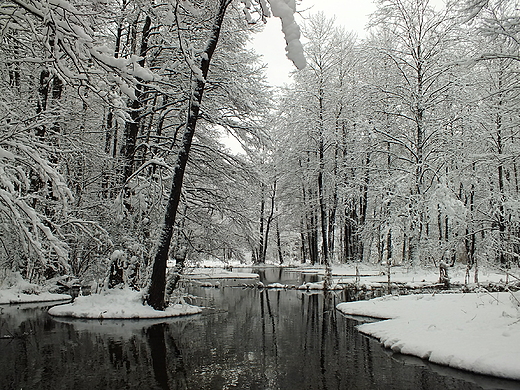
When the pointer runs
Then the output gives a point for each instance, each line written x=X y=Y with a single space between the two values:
x=14 y=296
x=366 y=277
x=118 y=304
x=218 y=273
x=374 y=274
x=478 y=332
x=14 y=290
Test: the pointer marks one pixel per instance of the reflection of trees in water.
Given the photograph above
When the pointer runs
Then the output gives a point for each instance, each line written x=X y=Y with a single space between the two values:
x=162 y=356
x=328 y=324
x=264 y=299
x=165 y=356
x=324 y=339
x=152 y=349
x=179 y=380
x=261 y=274
x=46 y=353
x=117 y=356
x=271 y=274
x=270 y=318
x=258 y=339
x=157 y=344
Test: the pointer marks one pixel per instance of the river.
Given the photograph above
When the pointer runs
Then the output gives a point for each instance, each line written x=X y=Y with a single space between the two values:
x=246 y=338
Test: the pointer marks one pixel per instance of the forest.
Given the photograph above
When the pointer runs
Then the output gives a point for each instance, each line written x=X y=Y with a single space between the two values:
x=398 y=148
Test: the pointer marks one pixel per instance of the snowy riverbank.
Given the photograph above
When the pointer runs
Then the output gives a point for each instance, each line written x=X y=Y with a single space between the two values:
x=118 y=304
x=478 y=332
x=373 y=276
x=218 y=273
x=14 y=296
x=15 y=290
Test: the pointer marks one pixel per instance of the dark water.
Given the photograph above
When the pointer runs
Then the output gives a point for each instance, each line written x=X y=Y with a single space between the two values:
x=246 y=339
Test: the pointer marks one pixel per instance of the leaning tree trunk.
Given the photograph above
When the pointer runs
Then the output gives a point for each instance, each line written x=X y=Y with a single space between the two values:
x=158 y=280
x=268 y=223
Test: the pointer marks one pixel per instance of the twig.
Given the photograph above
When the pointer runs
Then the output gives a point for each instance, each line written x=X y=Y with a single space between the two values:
x=509 y=273
x=514 y=296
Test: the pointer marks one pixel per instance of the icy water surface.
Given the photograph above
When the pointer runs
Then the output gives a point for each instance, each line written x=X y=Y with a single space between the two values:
x=246 y=339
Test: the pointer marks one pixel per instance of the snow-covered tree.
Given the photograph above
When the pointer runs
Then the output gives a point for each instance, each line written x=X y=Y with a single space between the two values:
x=200 y=66
x=416 y=46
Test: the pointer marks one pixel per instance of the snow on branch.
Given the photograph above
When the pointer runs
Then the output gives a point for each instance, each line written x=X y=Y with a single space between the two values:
x=285 y=9
x=262 y=9
x=71 y=45
x=473 y=8
x=21 y=163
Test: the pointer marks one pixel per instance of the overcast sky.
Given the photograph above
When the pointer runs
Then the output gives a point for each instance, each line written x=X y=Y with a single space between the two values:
x=352 y=14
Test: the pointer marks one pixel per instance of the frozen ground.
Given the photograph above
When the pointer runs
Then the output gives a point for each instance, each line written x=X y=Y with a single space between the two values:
x=118 y=304
x=218 y=273
x=11 y=296
x=113 y=304
x=13 y=289
x=369 y=275
x=478 y=332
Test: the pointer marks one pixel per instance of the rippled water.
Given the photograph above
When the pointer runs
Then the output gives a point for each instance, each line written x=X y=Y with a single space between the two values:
x=246 y=339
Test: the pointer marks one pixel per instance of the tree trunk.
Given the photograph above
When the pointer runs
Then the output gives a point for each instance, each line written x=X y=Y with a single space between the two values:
x=363 y=207
x=260 y=257
x=158 y=280
x=321 y=194
x=268 y=222
x=334 y=206
x=279 y=243
x=500 y=215
x=132 y=128
x=321 y=191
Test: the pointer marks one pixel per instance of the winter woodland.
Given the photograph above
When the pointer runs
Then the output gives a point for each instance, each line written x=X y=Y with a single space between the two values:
x=399 y=148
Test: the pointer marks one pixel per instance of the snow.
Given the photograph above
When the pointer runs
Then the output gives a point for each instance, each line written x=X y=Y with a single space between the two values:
x=10 y=296
x=4 y=154
x=277 y=286
x=141 y=72
x=478 y=332
x=372 y=276
x=217 y=273
x=118 y=304
x=188 y=7
x=285 y=9
x=14 y=289
x=320 y=286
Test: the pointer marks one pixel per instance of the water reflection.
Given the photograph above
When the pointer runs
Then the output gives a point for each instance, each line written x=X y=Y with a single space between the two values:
x=156 y=336
x=48 y=354
x=248 y=338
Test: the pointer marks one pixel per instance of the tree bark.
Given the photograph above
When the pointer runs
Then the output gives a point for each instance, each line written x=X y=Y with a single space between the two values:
x=260 y=257
x=268 y=223
x=158 y=280
x=279 y=243
x=321 y=191
x=132 y=128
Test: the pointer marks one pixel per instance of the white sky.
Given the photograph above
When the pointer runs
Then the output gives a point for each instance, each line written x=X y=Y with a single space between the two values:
x=351 y=14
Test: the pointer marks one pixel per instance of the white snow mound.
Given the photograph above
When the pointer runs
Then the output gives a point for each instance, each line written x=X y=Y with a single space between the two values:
x=477 y=332
x=118 y=304
x=14 y=289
